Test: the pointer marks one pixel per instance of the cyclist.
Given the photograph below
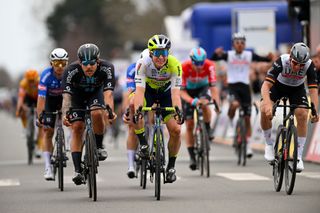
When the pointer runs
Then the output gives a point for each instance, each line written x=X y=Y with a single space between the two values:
x=198 y=76
x=27 y=97
x=286 y=78
x=158 y=78
x=132 y=140
x=90 y=80
x=238 y=68
x=50 y=100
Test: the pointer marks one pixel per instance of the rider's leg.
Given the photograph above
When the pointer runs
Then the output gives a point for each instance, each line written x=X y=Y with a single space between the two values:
x=207 y=120
x=47 y=146
x=266 y=126
x=302 y=119
x=190 y=142
x=98 y=126
x=132 y=144
x=174 y=141
x=76 y=144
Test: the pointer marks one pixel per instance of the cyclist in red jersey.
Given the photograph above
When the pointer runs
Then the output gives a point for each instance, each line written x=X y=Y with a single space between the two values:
x=197 y=79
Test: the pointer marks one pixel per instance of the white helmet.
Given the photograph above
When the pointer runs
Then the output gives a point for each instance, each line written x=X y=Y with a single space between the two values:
x=300 y=53
x=59 y=54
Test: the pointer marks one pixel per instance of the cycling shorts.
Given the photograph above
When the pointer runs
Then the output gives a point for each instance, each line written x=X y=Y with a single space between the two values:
x=241 y=92
x=188 y=109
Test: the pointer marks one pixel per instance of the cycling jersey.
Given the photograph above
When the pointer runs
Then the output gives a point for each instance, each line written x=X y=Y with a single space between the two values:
x=76 y=82
x=281 y=72
x=192 y=79
x=169 y=76
x=238 y=65
x=131 y=72
x=49 y=85
x=30 y=90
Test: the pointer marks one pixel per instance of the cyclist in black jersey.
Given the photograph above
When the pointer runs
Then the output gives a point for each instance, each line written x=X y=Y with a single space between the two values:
x=286 y=78
x=86 y=82
x=238 y=72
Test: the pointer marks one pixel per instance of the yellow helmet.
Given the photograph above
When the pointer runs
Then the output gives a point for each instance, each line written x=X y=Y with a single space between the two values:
x=159 y=42
x=31 y=74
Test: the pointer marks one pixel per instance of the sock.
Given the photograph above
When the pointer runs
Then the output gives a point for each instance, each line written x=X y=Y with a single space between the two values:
x=191 y=152
x=76 y=157
x=141 y=135
x=301 y=142
x=267 y=136
x=130 y=154
x=99 y=139
x=47 y=159
x=172 y=162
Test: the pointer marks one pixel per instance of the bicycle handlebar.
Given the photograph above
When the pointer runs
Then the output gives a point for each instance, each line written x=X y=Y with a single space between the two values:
x=98 y=107
x=293 y=106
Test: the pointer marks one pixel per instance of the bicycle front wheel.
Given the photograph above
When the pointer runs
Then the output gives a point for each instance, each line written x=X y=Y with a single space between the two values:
x=158 y=164
x=206 y=148
x=291 y=159
x=92 y=165
x=60 y=154
x=143 y=173
x=278 y=164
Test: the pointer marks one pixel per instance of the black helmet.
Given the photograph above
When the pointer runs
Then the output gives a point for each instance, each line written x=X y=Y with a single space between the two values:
x=300 y=53
x=88 y=52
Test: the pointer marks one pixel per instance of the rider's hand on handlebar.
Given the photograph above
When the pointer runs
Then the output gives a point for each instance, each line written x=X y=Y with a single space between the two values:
x=66 y=121
x=179 y=116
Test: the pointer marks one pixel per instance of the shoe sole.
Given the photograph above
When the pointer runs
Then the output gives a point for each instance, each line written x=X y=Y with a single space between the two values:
x=131 y=175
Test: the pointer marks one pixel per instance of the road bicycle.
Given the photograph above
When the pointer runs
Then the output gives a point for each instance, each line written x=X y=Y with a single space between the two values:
x=90 y=160
x=59 y=157
x=286 y=146
x=157 y=158
x=240 y=137
x=202 y=142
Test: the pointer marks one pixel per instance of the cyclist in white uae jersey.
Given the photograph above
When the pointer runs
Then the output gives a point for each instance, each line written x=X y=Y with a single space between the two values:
x=238 y=67
x=286 y=78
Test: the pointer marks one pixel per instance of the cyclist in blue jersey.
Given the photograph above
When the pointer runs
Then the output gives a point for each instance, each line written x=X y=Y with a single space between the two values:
x=132 y=140
x=50 y=99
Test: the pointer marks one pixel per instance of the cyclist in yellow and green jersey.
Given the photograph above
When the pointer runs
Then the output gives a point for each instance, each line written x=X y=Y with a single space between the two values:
x=158 y=79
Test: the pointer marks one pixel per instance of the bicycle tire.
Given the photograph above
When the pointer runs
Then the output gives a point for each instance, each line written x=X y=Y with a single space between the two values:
x=30 y=138
x=205 y=148
x=291 y=160
x=278 y=164
x=143 y=173
x=60 y=141
x=237 y=138
x=92 y=164
x=243 y=142
x=158 y=165
x=197 y=151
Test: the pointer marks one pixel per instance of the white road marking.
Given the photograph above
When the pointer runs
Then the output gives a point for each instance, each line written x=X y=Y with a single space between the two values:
x=9 y=182
x=314 y=175
x=242 y=176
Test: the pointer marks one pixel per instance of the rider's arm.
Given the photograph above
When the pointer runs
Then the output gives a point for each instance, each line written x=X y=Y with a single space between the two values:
x=313 y=85
x=40 y=104
x=219 y=54
x=66 y=103
x=42 y=92
x=21 y=96
x=259 y=58
x=108 y=98
x=176 y=80
x=265 y=88
x=212 y=82
x=140 y=81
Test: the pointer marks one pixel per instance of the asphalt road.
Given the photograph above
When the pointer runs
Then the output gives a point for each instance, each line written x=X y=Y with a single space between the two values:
x=230 y=188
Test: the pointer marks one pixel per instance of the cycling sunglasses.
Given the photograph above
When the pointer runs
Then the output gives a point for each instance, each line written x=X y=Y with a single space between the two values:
x=59 y=63
x=158 y=53
x=91 y=62
x=198 y=63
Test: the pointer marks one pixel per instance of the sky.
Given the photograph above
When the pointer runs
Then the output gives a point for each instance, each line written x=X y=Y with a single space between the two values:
x=24 y=37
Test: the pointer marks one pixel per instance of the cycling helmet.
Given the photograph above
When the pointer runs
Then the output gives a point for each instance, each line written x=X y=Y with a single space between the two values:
x=88 y=52
x=145 y=52
x=198 y=54
x=159 y=42
x=300 y=53
x=31 y=74
x=238 y=36
x=59 y=54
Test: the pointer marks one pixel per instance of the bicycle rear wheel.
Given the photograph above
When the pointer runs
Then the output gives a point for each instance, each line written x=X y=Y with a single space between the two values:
x=278 y=164
x=291 y=159
x=158 y=164
x=92 y=165
x=238 y=141
x=206 y=150
x=30 y=138
x=243 y=143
